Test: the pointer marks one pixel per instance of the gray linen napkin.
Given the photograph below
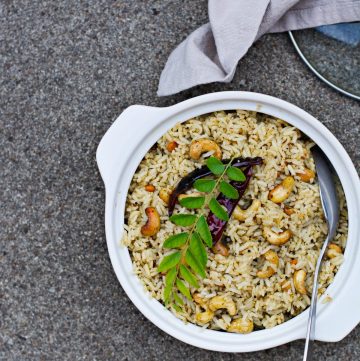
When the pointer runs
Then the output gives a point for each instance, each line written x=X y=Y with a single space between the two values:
x=211 y=53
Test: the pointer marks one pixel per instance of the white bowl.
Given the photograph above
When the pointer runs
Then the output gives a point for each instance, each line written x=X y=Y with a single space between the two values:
x=120 y=152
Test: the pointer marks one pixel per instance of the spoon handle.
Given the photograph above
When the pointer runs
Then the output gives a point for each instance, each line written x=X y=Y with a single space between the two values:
x=330 y=205
x=310 y=332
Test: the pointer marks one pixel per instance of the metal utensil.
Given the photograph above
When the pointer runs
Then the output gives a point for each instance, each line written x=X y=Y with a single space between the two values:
x=330 y=206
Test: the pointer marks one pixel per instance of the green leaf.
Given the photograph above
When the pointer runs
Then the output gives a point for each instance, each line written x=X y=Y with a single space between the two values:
x=177 y=308
x=192 y=202
x=176 y=241
x=205 y=185
x=183 y=220
x=169 y=261
x=198 y=249
x=235 y=174
x=218 y=210
x=170 y=277
x=188 y=276
x=183 y=289
x=169 y=282
x=204 y=231
x=228 y=190
x=167 y=295
x=178 y=299
x=194 y=264
x=215 y=165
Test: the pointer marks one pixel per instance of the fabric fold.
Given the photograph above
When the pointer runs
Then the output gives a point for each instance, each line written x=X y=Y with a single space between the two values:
x=211 y=53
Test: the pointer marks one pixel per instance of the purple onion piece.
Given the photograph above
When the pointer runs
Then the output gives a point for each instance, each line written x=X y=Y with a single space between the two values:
x=216 y=225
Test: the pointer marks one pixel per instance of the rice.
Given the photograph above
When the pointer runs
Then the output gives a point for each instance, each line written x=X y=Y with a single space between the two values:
x=285 y=151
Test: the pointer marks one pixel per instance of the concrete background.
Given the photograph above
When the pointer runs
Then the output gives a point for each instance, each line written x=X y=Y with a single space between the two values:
x=68 y=68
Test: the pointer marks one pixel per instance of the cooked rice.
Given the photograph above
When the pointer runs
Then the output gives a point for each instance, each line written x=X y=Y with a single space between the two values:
x=285 y=152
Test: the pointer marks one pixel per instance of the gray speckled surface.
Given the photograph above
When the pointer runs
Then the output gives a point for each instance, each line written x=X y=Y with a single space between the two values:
x=68 y=69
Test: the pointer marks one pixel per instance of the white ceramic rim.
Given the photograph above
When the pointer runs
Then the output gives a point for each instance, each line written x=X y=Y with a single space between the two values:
x=118 y=155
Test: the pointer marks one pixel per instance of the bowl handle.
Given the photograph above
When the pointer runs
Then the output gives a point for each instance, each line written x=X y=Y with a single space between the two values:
x=343 y=316
x=115 y=146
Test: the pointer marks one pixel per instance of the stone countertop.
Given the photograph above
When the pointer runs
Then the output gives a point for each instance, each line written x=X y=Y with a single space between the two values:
x=68 y=69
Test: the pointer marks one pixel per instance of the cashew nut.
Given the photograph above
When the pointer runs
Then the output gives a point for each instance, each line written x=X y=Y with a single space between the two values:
x=207 y=315
x=152 y=226
x=164 y=196
x=204 y=317
x=241 y=326
x=201 y=146
x=289 y=211
x=171 y=146
x=198 y=299
x=273 y=258
x=282 y=190
x=149 y=188
x=220 y=248
x=242 y=215
x=307 y=175
x=333 y=250
x=299 y=281
x=276 y=239
x=285 y=285
x=219 y=302
x=195 y=194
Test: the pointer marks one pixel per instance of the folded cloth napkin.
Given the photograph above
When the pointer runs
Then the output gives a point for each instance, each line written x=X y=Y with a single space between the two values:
x=211 y=53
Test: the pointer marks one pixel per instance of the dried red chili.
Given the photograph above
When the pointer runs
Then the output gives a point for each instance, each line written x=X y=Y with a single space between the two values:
x=187 y=182
x=216 y=225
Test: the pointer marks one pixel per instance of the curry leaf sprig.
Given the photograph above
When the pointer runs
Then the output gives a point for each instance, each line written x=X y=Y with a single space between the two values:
x=188 y=262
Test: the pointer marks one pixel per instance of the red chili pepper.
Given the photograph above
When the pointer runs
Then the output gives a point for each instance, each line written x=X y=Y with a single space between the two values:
x=216 y=225
x=187 y=182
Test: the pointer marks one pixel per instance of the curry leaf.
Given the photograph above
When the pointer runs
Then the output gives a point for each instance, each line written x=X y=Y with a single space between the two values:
x=228 y=190
x=188 y=276
x=183 y=289
x=183 y=220
x=204 y=231
x=235 y=174
x=169 y=261
x=218 y=210
x=215 y=165
x=194 y=264
x=167 y=293
x=197 y=249
x=178 y=299
x=169 y=282
x=185 y=265
x=176 y=240
x=205 y=185
x=177 y=308
x=192 y=202
x=170 y=277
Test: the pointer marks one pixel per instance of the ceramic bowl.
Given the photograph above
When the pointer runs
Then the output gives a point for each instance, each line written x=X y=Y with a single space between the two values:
x=119 y=154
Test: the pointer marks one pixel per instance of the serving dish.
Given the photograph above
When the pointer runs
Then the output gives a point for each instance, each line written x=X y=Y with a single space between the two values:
x=121 y=150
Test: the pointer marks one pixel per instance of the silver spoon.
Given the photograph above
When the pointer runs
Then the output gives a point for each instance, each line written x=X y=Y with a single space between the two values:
x=330 y=204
